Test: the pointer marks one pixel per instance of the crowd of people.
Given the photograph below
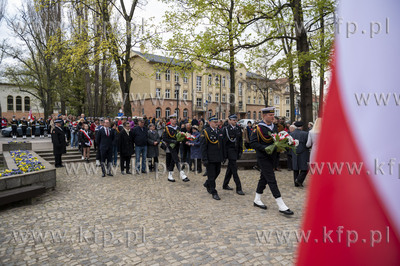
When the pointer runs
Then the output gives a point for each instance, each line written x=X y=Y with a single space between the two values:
x=212 y=142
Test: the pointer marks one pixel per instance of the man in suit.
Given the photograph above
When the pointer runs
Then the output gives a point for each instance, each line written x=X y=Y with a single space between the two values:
x=260 y=139
x=233 y=144
x=125 y=147
x=212 y=154
x=59 y=142
x=105 y=138
x=301 y=158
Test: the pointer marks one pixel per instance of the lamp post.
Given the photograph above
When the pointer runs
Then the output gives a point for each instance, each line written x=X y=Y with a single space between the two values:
x=177 y=88
x=220 y=93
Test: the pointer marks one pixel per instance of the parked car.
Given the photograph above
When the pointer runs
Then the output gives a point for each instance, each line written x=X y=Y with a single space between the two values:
x=6 y=132
x=243 y=122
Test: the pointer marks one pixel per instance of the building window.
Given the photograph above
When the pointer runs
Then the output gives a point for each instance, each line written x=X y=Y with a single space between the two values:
x=259 y=100
x=248 y=99
x=167 y=112
x=142 y=111
x=223 y=81
x=27 y=103
x=158 y=112
x=198 y=102
x=168 y=75
x=217 y=97
x=209 y=113
x=240 y=89
x=158 y=74
x=209 y=97
x=287 y=100
x=10 y=103
x=254 y=115
x=229 y=82
x=259 y=115
x=185 y=95
x=277 y=113
x=270 y=102
x=185 y=113
x=223 y=98
x=158 y=93
x=176 y=94
x=209 y=80
x=240 y=105
x=176 y=77
x=167 y=92
x=18 y=103
x=287 y=89
x=198 y=83
x=248 y=115
x=185 y=77
x=287 y=113
x=223 y=115
x=254 y=100
x=277 y=99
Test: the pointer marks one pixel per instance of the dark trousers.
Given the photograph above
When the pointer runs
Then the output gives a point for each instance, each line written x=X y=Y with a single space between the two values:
x=232 y=170
x=198 y=162
x=125 y=162
x=41 y=131
x=14 y=130
x=276 y=161
x=267 y=177
x=186 y=155
x=300 y=175
x=33 y=131
x=23 y=130
x=98 y=155
x=106 y=155
x=172 y=159
x=289 y=160
x=213 y=170
x=57 y=160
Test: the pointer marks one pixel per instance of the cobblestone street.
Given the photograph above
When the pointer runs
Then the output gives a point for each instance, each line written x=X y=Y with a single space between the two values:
x=140 y=219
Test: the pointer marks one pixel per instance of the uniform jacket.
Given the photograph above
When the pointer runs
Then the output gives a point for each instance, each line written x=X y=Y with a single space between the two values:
x=59 y=142
x=260 y=139
x=212 y=145
x=169 y=136
x=233 y=142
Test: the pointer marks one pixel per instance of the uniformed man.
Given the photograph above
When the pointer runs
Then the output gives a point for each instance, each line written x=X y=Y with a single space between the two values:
x=33 y=127
x=42 y=125
x=212 y=154
x=14 y=126
x=233 y=144
x=259 y=140
x=172 y=158
x=59 y=143
x=24 y=126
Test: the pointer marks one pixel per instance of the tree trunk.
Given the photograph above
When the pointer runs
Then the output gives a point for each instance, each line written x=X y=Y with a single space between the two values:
x=232 y=96
x=322 y=68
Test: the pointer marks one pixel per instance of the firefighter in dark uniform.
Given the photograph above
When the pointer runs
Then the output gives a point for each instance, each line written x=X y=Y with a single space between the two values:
x=172 y=158
x=24 y=126
x=233 y=144
x=259 y=140
x=33 y=127
x=42 y=125
x=14 y=126
x=212 y=154
x=59 y=143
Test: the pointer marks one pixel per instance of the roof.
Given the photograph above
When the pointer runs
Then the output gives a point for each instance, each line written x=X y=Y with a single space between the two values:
x=162 y=59
x=253 y=75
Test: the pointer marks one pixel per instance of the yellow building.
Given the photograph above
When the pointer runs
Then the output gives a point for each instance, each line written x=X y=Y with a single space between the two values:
x=161 y=87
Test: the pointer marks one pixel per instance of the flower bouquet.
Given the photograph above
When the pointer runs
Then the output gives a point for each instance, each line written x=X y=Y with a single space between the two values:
x=181 y=136
x=282 y=141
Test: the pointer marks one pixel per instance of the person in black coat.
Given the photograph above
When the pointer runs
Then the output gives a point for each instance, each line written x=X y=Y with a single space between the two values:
x=24 y=126
x=259 y=140
x=140 y=139
x=153 y=139
x=301 y=158
x=212 y=154
x=105 y=139
x=125 y=147
x=14 y=126
x=59 y=143
x=233 y=144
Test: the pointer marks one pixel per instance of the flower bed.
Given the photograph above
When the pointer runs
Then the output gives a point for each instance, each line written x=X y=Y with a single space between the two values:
x=25 y=162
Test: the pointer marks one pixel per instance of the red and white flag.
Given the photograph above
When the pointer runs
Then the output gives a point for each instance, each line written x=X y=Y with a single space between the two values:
x=30 y=115
x=354 y=218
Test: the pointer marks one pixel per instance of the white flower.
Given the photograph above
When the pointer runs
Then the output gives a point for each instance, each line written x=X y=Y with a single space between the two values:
x=296 y=142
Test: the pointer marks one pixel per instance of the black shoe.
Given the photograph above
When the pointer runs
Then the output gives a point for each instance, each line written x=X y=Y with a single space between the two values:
x=87 y=160
x=296 y=182
x=186 y=179
x=199 y=172
x=260 y=206
x=144 y=172
x=216 y=197
x=208 y=189
x=205 y=174
x=227 y=188
x=171 y=180
x=103 y=175
x=122 y=172
x=128 y=172
x=240 y=192
x=109 y=174
x=287 y=212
